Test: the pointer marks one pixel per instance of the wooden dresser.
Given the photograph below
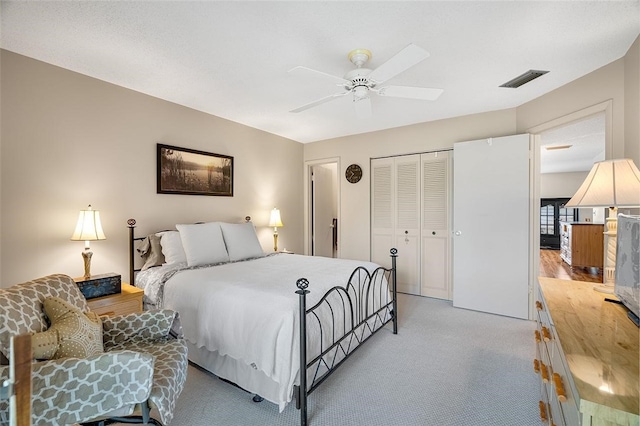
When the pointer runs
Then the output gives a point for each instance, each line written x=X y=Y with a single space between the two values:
x=587 y=356
x=582 y=244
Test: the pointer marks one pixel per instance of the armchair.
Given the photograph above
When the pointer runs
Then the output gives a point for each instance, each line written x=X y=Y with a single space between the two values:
x=143 y=367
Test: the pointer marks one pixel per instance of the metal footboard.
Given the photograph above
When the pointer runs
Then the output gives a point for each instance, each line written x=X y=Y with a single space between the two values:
x=343 y=319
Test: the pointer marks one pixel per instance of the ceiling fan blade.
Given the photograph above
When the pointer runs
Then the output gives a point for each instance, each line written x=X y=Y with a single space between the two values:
x=305 y=70
x=362 y=106
x=319 y=102
x=421 y=93
x=402 y=61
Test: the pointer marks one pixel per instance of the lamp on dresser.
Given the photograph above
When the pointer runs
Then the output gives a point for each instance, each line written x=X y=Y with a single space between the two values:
x=612 y=184
x=276 y=222
x=88 y=228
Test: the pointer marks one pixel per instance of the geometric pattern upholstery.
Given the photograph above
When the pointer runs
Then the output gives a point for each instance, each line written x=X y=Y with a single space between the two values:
x=72 y=390
x=149 y=332
x=21 y=308
x=143 y=359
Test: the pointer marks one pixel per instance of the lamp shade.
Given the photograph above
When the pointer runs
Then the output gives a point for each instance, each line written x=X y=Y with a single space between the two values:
x=611 y=183
x=89 y=227
x=275 y=220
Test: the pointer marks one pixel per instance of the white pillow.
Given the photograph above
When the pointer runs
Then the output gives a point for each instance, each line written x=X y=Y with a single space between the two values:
x=172 y=247
x=241 y=240
x=203 y=243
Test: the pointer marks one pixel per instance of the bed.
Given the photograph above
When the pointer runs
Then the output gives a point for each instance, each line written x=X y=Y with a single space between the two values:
x=253 y=318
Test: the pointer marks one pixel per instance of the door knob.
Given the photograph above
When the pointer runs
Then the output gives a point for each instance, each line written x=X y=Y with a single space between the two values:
x=457 y=233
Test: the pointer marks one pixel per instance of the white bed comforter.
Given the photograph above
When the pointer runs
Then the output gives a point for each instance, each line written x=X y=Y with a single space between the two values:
x=249 y=310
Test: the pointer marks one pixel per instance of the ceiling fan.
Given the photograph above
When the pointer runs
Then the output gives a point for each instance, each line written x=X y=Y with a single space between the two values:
x=361 y=82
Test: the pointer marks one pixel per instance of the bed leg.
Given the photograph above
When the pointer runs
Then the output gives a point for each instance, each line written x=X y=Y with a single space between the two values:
x=257 y=398
x=302 y=285
x=394 y=256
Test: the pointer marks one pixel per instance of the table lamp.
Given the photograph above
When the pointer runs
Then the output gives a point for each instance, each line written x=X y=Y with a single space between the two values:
x=88 y=229
x=276 y=222
x=612 y=184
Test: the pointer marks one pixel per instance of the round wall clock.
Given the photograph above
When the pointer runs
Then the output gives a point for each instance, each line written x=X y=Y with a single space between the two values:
x=353 y=174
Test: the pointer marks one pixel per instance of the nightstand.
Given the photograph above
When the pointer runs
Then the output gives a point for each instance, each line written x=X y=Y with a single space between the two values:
x=128 y=301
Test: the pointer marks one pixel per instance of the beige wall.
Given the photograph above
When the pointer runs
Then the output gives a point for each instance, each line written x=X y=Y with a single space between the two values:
x=560 y=185
x=632 y=103
x=69 y=140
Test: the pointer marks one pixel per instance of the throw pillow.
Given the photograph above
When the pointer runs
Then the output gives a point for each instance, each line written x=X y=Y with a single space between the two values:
x=72 y=333
x=151 y=252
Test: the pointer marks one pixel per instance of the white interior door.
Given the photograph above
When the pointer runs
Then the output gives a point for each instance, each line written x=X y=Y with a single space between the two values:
x=491 y=225
x=436 y=232
x=325 y=207
x=382 y=211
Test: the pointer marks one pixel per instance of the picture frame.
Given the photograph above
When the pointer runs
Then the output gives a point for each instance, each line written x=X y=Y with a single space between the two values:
x=192 y=172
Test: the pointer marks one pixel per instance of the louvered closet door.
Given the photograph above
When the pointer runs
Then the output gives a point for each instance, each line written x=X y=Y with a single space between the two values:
x=382 y=210
x=436 y=235
x=407 y=222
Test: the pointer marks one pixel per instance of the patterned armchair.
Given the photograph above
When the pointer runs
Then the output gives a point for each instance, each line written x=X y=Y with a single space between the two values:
x=143 y=367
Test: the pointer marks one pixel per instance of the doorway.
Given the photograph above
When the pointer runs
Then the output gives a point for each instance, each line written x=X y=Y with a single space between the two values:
x=566 y=149
x=323 y=204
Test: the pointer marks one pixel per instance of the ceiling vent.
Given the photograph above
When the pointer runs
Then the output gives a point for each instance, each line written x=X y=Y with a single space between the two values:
x=523 y=79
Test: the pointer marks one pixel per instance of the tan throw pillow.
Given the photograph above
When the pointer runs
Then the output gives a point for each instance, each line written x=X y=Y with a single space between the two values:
x=151 y=252
x=72 y=333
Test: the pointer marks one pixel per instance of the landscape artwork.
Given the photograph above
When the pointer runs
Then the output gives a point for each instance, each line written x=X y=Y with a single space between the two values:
x=192 y=172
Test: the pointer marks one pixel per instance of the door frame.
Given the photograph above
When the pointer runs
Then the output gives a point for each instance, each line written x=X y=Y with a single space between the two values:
x=307 y=201
x=535 y=131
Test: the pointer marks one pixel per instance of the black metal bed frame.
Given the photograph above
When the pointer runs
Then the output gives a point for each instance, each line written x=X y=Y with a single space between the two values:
x=358 y=310
x=367 y=303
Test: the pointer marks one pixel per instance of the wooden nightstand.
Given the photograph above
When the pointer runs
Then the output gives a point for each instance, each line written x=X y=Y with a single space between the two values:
x=128 y=301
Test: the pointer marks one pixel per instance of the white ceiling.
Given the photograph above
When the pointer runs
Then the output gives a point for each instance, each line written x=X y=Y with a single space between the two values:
x=585 y=142
x=231 y=58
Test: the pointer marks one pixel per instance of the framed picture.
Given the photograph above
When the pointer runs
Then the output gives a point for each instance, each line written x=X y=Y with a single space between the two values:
x=187 y=171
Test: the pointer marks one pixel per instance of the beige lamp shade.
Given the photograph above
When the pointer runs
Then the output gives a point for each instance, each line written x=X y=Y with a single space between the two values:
x=89 y=227
x=275 y=220
x=611 y=183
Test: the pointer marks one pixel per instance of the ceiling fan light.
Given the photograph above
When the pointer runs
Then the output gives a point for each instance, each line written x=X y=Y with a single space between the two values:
x=360 y=92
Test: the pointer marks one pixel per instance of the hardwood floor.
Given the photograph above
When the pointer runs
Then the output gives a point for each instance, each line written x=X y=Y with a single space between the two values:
x=552 y=266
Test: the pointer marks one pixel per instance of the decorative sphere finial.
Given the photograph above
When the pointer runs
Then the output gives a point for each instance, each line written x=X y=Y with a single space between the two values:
x=394 y=251
x=131 y=223
x=302 y=283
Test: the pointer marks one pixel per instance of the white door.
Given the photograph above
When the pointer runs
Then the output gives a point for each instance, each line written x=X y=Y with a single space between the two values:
x=395 y=217
x=382 y=211
x=324 y=208
x=407 y=225
x=491 y=225
x=436 y=232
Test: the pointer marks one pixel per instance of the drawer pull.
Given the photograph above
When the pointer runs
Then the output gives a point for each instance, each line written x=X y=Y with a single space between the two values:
x=538 y=338
x=538 y=305
x=546 y=334
x=557 y=380
x=536 y=366
x=543 y=411
x=544 y=372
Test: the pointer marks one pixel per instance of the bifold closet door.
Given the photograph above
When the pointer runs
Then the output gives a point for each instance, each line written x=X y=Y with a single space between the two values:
x=436 y=233
x=395 y=217
x=491 y=225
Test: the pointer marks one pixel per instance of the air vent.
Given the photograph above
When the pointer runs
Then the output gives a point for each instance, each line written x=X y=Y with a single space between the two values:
x=523 y=79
